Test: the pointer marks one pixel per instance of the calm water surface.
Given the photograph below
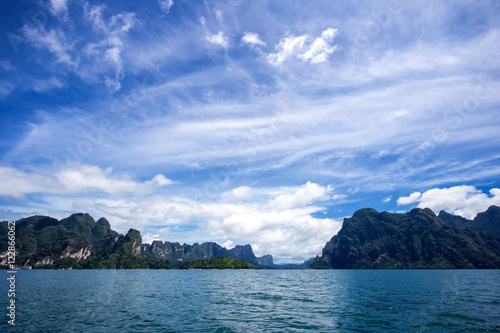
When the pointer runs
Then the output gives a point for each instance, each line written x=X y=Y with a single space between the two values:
x=255 y=301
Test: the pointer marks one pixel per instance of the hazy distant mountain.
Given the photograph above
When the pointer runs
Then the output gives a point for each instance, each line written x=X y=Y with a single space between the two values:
x=417 y=239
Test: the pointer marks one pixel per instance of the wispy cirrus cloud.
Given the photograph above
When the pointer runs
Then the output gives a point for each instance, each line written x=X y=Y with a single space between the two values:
x=165 y=5
x=53 y=41
x=107 y=52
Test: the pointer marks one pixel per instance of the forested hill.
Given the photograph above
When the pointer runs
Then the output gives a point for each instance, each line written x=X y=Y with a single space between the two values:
x=417 y=239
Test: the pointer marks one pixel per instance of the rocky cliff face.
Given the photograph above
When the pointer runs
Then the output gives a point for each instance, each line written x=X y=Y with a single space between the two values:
x=82 y=253
x=417 y=239
x=129 y=244
x=42 y=240
x=266 y=260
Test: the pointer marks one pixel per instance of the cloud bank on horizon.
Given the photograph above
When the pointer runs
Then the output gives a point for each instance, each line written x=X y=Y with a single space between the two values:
x=248 y=122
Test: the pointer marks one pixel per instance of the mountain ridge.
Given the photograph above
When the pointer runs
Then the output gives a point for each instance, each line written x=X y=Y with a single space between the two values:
x=416 y=239
x=78 y=241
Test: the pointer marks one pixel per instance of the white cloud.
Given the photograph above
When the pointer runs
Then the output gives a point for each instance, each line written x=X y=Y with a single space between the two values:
x=302 y=197
x=275 y=220
x=314 y=52
x=397 y=114
x=466 y=201
x=389 y=198
x=106 y=54
x=5 y=88
x=240 y=193
x=412 y=198
x=278 y=220
x=94 y=14
x=228 y=244
x=165 y=5
x=6 y=66
x=252 y=39
x=81 y=179
x=46 y=85
x=96 y=59
x=160 y=180
x=219 y=15
x=54 y=41
x=287 y=47
x=321 y=48
x=220 y=40
x=59 y=6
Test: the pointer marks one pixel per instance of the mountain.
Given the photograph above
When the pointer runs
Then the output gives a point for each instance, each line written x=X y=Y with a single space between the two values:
x=78 y=241
x=75 y=242
x=447 y=217
x=487 y=222
x=178 y=253
x=417 y=239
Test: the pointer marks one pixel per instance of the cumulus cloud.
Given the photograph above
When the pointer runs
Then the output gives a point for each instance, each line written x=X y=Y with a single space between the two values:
x=252 y=39
x=389 y=198
x=412 y=198
x=220 y=40
x=279 y=220
x=302 y=197
x=165 y=5
x=466 y=201
x=315 y=51
x=276 y=220
x=288 y=46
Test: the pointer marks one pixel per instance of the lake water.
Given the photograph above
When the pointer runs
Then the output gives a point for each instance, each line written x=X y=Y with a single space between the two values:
x=255 y=301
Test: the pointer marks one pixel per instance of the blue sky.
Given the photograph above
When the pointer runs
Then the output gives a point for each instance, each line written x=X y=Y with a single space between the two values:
x=261 y=122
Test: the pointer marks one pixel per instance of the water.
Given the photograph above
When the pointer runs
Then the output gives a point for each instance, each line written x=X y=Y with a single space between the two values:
x=255 y=301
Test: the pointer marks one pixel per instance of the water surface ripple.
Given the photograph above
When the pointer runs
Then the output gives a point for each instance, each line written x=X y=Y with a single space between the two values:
x=256 y=301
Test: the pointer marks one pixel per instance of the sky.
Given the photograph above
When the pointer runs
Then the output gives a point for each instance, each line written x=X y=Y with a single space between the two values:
x=247 y=122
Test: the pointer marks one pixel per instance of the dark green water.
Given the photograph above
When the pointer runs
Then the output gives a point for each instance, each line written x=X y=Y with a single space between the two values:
x=255 y=301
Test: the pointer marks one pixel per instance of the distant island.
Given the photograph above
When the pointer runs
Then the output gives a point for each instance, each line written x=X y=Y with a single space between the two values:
x=418 y=239
x=368 y=240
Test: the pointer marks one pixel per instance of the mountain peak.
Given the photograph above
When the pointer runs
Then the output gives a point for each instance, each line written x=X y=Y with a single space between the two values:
x=447 y=218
